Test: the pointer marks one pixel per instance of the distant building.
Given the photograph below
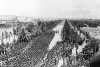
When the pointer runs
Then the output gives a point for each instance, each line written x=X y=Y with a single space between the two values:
x=93 y=32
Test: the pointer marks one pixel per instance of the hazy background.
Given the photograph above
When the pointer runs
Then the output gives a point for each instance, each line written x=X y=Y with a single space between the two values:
x=51 y=8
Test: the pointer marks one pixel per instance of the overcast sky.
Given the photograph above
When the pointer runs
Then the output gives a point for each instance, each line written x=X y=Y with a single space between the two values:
x=51 y=8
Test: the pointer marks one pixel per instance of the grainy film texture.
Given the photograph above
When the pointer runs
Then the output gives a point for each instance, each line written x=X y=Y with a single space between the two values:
x=33 y=42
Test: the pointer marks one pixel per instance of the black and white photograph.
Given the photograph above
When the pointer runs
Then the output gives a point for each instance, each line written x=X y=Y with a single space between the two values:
x=49 y=33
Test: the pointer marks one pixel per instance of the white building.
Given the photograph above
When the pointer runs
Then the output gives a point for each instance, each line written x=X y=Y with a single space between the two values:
x=7 y=35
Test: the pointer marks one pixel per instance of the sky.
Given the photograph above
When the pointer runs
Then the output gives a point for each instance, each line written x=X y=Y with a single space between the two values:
x=51 y=8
